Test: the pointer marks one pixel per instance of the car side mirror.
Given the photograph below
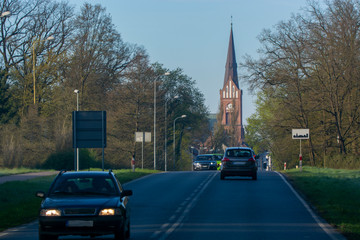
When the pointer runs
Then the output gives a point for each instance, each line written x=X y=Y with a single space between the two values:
x=126 y=193
x=40 y=194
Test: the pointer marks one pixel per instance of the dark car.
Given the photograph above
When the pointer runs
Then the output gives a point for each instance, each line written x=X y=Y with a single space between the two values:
x=238 y=161
x=84 y=203
x=204 y=162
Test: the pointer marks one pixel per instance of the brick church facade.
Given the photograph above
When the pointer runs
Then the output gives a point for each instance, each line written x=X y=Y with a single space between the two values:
x=231 y=98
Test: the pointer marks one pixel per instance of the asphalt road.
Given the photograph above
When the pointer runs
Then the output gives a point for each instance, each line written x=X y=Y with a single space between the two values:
x=198 y=205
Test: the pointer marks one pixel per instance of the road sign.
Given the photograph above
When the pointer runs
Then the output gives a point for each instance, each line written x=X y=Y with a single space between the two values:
x=300 y=134
x=140 y=136
x=89 y=129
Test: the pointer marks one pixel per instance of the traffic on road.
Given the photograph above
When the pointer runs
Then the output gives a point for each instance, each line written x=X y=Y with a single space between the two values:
x=199 y=205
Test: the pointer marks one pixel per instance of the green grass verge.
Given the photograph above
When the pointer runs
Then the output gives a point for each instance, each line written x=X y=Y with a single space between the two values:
x=334 y=193
x=19 y=204
x=11 y=171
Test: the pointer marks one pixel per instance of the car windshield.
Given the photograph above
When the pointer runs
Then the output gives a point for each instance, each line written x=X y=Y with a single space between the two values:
x=204 y=158
x=218 y=157
x=93 y=185
x=238 y=153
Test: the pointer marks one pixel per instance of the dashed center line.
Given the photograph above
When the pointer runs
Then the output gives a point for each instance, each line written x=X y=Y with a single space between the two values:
x=176 y=220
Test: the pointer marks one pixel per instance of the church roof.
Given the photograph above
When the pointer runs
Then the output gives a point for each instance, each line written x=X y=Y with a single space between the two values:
x=231 y=65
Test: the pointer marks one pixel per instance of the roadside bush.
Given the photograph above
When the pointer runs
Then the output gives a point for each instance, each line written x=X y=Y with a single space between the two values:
x=338 y=161
x=65 y=160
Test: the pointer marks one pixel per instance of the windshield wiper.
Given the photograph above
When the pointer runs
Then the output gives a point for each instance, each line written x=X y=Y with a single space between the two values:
x=62 y=192
x=95 y=193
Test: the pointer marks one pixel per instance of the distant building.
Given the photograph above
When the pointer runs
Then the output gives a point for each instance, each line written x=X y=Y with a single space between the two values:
x=231 y=97
x=212 y=121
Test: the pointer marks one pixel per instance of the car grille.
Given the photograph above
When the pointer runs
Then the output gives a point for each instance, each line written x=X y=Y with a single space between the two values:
x=79 y=211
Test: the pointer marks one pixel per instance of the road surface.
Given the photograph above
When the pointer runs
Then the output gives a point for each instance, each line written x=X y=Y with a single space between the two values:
x=198 y=205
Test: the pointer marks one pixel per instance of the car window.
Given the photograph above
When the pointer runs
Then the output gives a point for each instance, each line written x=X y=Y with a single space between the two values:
x=218 y=157
x=89 y=185
x=203 y=158
x=238 y=153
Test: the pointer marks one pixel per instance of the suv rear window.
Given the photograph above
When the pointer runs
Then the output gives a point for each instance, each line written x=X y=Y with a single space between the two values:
x=238 y=153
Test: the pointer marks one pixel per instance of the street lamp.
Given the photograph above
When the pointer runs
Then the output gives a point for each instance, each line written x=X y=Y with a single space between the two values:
x=34 y=58
x=175 y=97
x=77 y=149
x=182 y=116
x=165 y=74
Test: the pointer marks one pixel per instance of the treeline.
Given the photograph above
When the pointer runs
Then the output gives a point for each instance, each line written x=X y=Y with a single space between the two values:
x=47 y=51
x=308 y=76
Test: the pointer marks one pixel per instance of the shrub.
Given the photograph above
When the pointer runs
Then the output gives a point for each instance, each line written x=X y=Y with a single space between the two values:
x=65 y=160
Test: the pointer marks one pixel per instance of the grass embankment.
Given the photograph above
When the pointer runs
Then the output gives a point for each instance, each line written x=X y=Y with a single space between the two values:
x=334 y=193
x=12 y=171
x=18 y=204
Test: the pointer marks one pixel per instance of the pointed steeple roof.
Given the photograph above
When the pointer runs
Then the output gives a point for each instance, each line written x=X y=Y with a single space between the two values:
x=231 y=65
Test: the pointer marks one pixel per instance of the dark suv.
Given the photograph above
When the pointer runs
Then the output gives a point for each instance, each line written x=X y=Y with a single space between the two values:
x=238 y=161
x=84 y=203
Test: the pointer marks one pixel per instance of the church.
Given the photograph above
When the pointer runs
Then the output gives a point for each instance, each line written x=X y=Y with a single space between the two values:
x=231 y=98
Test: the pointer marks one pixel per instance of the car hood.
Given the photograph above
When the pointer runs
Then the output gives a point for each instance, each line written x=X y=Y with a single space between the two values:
x=73 y=202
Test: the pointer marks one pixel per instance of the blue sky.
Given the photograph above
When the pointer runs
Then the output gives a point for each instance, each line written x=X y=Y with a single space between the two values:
x=193 y=35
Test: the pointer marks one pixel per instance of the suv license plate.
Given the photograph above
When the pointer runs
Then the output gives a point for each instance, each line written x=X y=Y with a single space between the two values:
x=80 y=223
x=239 y=163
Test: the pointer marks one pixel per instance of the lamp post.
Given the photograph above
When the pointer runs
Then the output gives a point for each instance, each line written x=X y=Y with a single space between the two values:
x=165 y=74
x=182 y=116
x=34 y=59
x=175 y=97
x=77 y=149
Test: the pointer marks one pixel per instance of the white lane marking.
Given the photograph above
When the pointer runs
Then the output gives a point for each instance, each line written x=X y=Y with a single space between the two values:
x=188 y=207
x=325 y=226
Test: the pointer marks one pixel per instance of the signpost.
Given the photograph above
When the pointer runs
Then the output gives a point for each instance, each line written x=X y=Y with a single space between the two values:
x=300 y=134
x=142 y=137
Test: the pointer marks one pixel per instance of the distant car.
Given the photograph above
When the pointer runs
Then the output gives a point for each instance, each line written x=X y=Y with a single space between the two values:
x=238 y=161
x=84 y=203
x=204 y=162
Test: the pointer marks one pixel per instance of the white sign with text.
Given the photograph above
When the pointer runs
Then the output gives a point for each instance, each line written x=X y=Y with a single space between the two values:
x=300 y=134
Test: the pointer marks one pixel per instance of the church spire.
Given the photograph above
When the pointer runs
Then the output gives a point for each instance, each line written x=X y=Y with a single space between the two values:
x=231 y=65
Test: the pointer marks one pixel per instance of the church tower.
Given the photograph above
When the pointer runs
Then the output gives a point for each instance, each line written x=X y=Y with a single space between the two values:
x=231 y=98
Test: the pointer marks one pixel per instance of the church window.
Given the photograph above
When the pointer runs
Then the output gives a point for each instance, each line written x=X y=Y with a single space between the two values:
x=227 y=91
x=230 y=94
x=227 y=118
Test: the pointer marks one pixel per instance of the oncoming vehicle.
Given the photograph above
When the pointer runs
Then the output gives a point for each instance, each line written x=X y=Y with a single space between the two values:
x=204 y=162
x=238 y=161
x=84 y=203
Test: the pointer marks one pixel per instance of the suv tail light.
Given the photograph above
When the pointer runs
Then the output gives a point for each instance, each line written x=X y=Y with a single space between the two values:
x=251 y=160
x=225 y=160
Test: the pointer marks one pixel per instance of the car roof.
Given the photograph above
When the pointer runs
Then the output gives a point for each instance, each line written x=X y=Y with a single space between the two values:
x=210 y=154
x=86 y=173
x=245 y=148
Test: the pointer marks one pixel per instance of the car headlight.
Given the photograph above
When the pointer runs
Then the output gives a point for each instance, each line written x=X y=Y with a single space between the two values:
x=212 y=163
x=110 y=212
x=50 y=213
